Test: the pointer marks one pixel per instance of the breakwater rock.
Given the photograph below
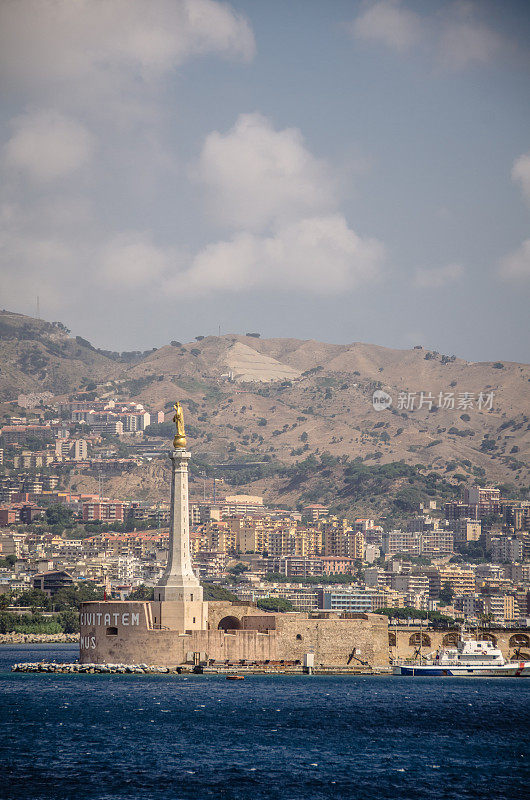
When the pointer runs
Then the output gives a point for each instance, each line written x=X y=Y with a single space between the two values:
x=186 y=669
x=39 y=638
x=105 y=669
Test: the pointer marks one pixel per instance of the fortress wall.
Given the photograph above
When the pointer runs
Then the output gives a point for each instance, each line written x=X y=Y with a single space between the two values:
x=218 y=609
x=407 y=639
x=334 y=641
x=171 y=649
x=122 y=633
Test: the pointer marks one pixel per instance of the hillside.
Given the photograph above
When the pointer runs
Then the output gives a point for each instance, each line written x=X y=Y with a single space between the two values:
x=281 y=400
x=40 y=356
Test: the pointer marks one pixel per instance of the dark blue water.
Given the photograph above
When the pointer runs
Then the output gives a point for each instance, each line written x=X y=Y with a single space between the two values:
x=201 y=737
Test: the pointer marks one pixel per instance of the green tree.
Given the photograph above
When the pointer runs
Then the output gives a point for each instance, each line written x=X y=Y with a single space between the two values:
x=72 y=596
x=58 y=514
x=213 y=592
x=238 y=569
x=277 y=604
x=447 y=594
x=35 y=598
x=69 y=621
x=142 y=592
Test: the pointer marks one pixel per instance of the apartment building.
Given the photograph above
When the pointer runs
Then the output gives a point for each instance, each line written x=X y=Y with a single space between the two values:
x=103 y=512
x=506 y=549
x=342 y=542
x=461 y=581
x=466 y=530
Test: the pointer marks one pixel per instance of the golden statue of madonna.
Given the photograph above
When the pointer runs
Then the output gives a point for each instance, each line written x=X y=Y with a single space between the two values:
x=178 y=418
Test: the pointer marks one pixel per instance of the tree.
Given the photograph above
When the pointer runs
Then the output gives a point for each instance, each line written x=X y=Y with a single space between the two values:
x=142 y=592
x=447 y=594
x=238 y=569
x=213 y=592
x=69 y=621
x=72 y=596
x=58 y=514
x=35 y=598
x=277 y=604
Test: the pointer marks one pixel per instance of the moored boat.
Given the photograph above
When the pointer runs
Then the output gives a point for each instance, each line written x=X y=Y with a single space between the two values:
x=471 y=657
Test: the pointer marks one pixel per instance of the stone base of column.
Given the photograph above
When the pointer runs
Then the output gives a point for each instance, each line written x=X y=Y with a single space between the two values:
x=179 y=615
x=191 y=592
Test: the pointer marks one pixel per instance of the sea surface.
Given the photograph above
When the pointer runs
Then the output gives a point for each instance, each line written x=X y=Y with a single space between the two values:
x=128 y=737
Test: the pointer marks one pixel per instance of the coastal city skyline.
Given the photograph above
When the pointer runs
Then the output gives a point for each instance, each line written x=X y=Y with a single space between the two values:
x=264 y=399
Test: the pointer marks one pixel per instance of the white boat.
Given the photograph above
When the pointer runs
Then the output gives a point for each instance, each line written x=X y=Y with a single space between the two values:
x=471 y=657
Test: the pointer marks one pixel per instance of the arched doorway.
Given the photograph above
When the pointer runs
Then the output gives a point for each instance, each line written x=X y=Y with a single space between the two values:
x=229 y=624
x=450 y=640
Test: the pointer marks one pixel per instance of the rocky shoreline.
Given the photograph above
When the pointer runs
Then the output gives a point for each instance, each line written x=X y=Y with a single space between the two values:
x=150 y=669
x=39 y=638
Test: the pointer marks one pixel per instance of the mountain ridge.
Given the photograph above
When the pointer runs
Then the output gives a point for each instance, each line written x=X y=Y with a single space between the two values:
x=320 y=402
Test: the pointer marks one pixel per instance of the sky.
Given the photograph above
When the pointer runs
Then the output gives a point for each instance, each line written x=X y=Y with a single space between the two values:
x=343 y=171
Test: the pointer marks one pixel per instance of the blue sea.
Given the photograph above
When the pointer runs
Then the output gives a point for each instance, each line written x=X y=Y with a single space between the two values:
x=302 y=737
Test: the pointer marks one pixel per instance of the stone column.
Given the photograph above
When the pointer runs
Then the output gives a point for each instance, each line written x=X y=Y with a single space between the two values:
x=179 y=581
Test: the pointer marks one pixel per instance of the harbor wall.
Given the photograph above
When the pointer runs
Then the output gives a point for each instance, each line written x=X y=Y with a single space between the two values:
x=404 y=640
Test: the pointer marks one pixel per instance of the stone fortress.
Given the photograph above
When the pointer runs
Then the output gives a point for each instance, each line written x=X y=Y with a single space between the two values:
x=178 y=627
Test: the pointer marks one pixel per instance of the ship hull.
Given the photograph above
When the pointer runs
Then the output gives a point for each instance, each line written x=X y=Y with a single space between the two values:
x=514 y=669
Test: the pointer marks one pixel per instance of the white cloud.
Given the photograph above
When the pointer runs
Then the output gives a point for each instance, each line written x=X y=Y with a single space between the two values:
x=438 y=277
x=33 y=263
x=454 y=35
x=267 y=183
x=47 y=145
x=389 y=23
x=521 y=174
x=255 y=174
x=314 y=255
x=49 y=43
x=464 y=43
x=516 y=265
x=131 y=261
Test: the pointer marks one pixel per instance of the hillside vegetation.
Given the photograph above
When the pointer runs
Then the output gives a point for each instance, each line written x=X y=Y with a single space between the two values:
x=263 y=408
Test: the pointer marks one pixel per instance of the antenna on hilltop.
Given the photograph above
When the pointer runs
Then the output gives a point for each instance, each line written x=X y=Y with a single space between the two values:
x=38 y=307
x=219 y=331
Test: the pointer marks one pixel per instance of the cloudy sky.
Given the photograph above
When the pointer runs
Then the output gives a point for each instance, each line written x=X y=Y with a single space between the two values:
x=341 y=170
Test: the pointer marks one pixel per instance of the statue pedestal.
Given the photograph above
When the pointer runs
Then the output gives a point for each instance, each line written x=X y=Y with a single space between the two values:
x=179 y=615
x=178 y=597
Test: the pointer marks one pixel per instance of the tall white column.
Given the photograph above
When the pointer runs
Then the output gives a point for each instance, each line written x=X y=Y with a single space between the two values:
x=179 y=581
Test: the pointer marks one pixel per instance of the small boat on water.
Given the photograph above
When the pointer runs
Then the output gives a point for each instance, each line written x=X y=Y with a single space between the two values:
x=470 y=658
x=235 y=677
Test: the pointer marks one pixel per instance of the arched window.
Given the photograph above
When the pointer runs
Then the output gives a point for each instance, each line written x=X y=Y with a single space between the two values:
x=299 y=637
x=414 y=640
x=519 y=640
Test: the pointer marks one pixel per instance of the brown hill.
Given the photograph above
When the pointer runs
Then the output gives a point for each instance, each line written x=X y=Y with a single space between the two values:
x=248 y=398
x=37 y=356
